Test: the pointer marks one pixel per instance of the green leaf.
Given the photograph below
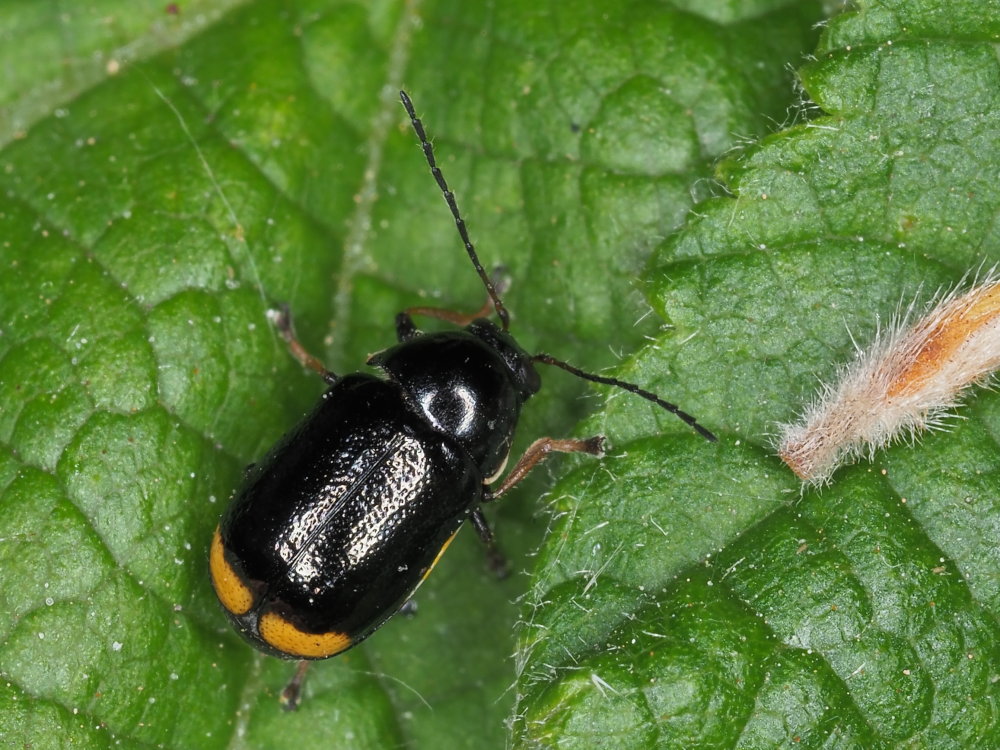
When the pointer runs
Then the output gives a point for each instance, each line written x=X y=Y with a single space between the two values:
x=692 y=597
x=172 y=171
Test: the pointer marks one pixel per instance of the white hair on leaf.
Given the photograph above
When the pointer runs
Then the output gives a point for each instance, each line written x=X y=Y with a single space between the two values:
x=904 y=384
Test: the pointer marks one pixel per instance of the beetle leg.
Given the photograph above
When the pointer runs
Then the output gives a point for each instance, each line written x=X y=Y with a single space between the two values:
x=282 y=319
x=539 y=450
x=290 y=695
x=494 y=557
x=500 y=282
x=449 y=316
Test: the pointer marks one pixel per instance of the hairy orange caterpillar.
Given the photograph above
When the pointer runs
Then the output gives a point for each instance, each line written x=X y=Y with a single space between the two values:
x=904 y=384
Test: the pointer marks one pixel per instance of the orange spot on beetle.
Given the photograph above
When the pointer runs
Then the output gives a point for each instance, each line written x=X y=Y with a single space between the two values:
x=282 y=635
x=229 y=587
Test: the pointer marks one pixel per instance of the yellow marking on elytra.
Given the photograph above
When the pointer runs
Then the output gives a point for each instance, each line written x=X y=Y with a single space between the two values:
x=438 y=557
x=232 y=592
x=282 y=635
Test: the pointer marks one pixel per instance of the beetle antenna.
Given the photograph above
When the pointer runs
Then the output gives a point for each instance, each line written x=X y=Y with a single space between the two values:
x=547 y=359
x=449 y=197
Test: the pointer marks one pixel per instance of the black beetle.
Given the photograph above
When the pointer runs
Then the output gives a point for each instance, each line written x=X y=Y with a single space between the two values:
x=338 y=525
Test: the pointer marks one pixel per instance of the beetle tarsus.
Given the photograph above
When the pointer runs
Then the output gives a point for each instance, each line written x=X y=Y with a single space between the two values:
x=495 y=559
x=292 y=692
x=537 y=451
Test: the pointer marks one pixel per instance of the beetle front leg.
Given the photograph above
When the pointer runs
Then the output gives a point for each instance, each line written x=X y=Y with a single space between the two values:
x=406 y=330
x=539 y=450
x=448 y=316
x=282 y=319
x=494 y=557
